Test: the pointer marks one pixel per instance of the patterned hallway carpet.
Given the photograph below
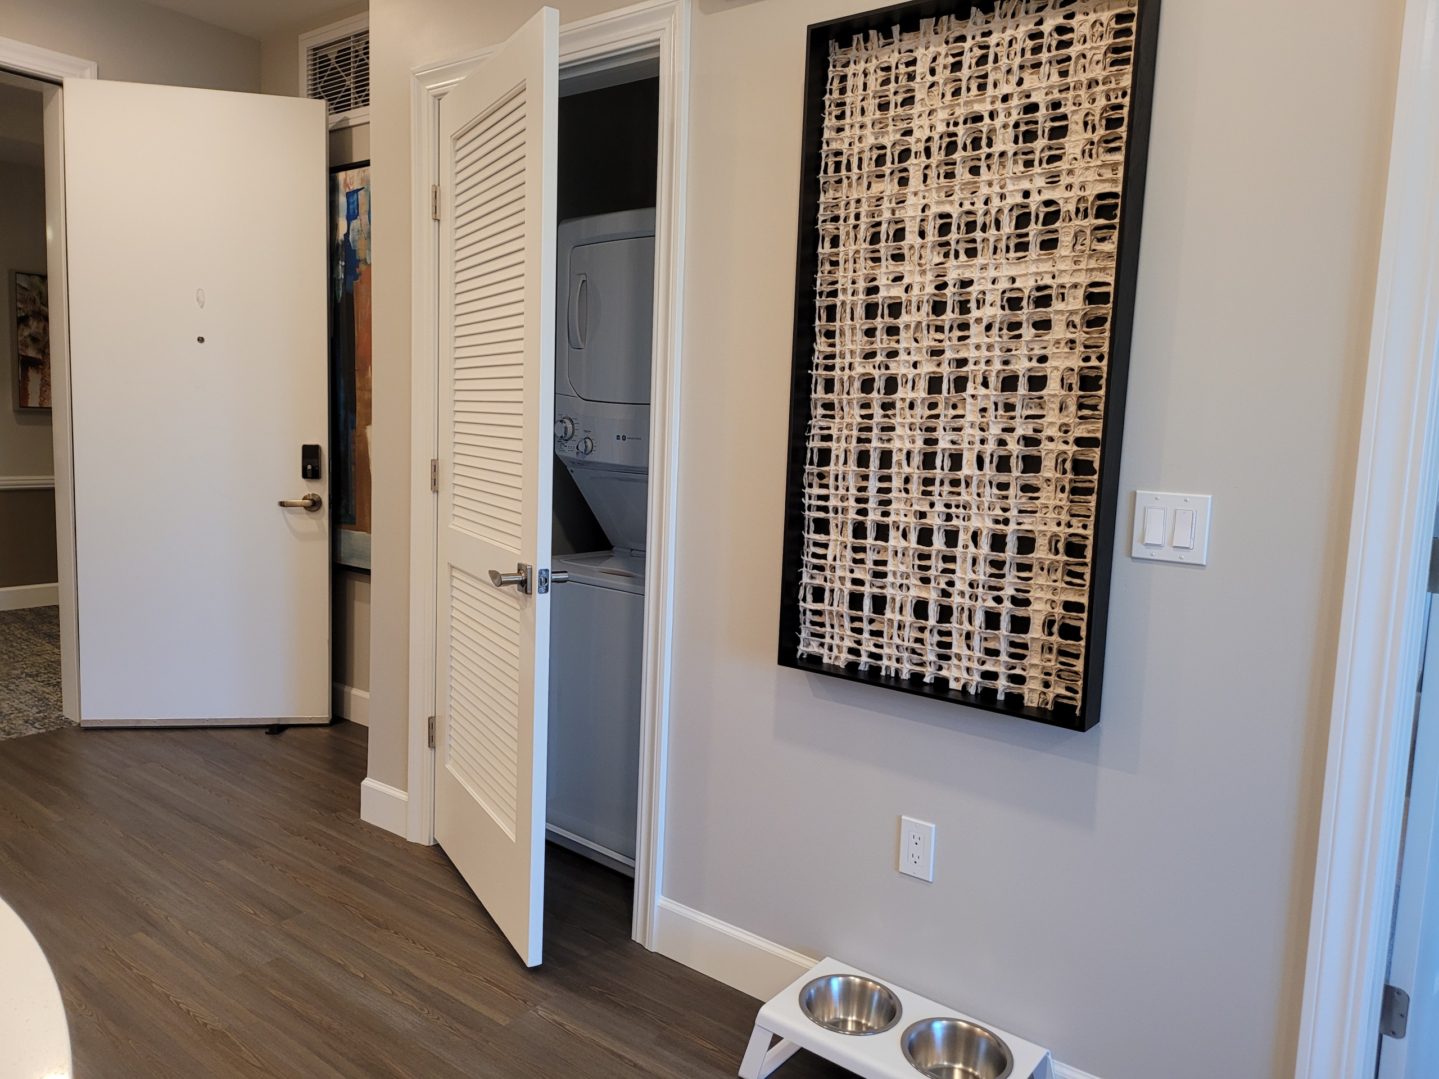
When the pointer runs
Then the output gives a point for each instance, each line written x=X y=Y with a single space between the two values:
x=30 y=672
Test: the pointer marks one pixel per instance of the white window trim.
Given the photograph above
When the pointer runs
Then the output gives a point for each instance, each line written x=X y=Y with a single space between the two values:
x=319 y=36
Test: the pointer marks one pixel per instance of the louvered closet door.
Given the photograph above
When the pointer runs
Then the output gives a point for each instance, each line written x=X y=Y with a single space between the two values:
x=497 y=409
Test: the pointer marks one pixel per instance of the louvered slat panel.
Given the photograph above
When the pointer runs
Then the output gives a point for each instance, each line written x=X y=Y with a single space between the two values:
x=505 y=118
x=487 y=321
x=482 y=743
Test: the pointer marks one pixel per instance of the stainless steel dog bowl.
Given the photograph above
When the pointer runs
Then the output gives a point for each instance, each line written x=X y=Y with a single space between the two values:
x=850 y=1004
x=956 y=1049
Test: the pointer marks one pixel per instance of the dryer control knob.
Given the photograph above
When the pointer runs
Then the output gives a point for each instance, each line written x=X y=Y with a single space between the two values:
x=564 y=428
x=586 y=446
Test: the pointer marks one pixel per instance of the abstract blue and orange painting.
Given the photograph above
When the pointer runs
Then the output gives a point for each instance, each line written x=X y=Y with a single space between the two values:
x=351 y=404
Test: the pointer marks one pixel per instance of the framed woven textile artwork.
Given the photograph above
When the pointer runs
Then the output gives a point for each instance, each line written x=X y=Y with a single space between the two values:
x=971 y=196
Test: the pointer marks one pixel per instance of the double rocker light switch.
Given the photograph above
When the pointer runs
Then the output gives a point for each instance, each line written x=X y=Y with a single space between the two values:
x=1171 y=527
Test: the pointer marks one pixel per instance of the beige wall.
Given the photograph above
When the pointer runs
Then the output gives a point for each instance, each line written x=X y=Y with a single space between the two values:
x=136 y=42
x=350 y=629
x=1135 y=896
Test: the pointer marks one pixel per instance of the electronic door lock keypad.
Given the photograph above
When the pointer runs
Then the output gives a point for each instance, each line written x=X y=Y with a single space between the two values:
x=310 y=461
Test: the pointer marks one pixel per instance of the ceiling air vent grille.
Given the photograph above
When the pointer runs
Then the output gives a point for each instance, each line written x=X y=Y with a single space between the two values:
x=335 y=69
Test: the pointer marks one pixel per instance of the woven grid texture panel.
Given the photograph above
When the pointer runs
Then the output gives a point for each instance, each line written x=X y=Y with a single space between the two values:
x=969 y=209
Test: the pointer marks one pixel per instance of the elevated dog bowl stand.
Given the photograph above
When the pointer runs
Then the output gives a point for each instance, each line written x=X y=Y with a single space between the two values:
x=872 y=1056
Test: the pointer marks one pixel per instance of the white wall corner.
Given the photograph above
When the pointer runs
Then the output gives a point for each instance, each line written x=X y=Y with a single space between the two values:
x=1064 y=1071
x=350 y=703
x=384 y=806
x=17 y=597
x=725 y=952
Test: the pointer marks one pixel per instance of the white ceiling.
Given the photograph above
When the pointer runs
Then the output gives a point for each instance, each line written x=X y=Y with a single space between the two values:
x=254 y=18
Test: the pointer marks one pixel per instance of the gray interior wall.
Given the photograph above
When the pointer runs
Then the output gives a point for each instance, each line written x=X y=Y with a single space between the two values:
x=1136 y=896
x=27 y=538
x=27 y=517
x=26 y=435
x=134 y=41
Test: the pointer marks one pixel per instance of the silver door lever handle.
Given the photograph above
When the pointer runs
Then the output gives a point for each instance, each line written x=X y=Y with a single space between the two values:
x=311 y=502
x=520 y=579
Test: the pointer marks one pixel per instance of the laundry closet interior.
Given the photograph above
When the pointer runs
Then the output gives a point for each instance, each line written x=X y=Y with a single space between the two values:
x=604 y=302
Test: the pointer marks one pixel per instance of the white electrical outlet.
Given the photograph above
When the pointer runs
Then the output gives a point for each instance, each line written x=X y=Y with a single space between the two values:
x=916 y=848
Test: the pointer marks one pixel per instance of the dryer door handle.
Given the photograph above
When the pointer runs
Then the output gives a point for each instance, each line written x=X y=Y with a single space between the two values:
x=579 y=309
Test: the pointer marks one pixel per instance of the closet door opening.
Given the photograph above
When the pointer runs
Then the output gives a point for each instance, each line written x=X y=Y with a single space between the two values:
x=604 y=298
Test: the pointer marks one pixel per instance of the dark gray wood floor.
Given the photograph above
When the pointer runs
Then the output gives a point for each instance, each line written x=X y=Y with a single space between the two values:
x=213 y=906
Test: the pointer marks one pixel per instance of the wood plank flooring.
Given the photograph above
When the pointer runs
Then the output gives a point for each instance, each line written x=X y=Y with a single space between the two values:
x=213 y=906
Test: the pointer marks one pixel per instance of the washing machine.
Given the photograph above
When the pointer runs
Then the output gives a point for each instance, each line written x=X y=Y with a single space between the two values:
x=604 y=311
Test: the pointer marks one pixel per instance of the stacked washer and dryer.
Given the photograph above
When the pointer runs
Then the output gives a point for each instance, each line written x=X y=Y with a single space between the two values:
x=605 y=305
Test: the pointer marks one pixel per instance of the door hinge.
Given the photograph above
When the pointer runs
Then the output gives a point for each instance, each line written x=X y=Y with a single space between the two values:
x=432 y=732
x=435 y=201
x=435 y=474
x=1394 y=1013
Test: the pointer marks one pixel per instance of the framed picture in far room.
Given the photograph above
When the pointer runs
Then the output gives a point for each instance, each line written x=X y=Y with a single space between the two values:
x=32 y=340
x=971 y=190
x=351 y=400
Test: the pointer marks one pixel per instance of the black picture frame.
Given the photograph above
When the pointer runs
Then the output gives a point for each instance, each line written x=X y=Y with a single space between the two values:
x=907 y=17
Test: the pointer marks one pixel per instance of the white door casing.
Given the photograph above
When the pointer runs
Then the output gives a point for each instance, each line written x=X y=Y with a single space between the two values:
x=498 y=132
x=197 y=251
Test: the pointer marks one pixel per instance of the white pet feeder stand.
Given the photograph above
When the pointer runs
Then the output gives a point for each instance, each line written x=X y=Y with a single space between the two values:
x=872 y=1056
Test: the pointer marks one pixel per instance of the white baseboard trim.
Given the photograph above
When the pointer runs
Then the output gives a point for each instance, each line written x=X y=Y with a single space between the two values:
x=17 y=597
x=351 y=703
x=384 y=806
x=725 y=952
x=741 y=959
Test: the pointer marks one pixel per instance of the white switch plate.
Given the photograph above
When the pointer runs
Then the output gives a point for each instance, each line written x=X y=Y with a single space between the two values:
x=1147 y=504
x=916 y=848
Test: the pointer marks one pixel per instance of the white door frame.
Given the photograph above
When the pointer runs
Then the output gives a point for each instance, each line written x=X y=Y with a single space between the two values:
x=655 y=28
x=1384 y=590
x=56 y=67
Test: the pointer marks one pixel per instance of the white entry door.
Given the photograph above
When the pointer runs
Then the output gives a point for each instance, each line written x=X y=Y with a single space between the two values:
x=498 y=141
x=197 y=269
